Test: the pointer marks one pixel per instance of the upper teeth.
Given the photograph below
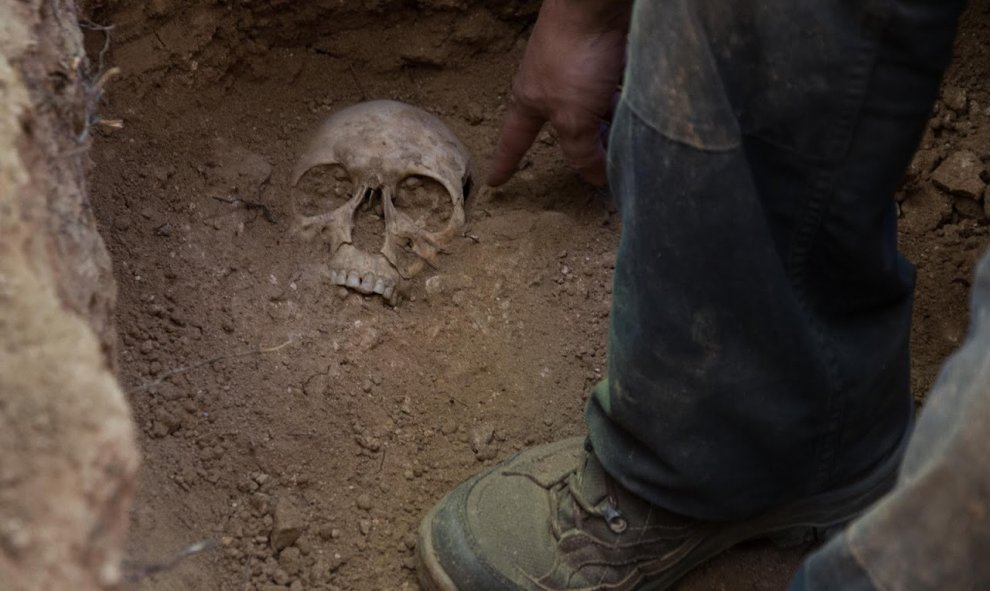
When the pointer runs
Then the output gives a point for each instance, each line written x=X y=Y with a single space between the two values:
x=367 y=284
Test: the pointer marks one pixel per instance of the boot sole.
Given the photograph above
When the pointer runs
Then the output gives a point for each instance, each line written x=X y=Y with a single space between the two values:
x=791 y=524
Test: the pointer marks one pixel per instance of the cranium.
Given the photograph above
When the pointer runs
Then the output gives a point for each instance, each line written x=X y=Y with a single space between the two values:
x=378 y=146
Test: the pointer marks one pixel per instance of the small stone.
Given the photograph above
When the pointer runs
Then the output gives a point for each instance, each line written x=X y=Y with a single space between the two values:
x=336 y=561
x=474 y=114
x=325 y=532
x=434 y=286
x=959 y=174
x=486 y=453
x=968 y=208
x=288 y=524
x=320 y=573
x=364 y=502
x=364 y=526
x=481 y=436
x=290 y=559
x=924 y=162
x=372 y=444
x=281 y=577
x=924 y=210
x=954 y=97
x=449 y=427
x=158 y=430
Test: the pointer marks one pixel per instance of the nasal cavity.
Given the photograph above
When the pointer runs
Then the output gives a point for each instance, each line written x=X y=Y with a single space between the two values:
x=368 y=233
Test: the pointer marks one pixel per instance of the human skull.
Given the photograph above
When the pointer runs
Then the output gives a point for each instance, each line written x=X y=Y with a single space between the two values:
x=403 y=164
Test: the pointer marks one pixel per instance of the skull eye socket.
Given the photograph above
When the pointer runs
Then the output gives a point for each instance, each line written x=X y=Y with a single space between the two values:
x=321 y=189
x=425 y=201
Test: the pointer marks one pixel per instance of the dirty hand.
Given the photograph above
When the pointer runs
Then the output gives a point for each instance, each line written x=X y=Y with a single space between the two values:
x=569 y=75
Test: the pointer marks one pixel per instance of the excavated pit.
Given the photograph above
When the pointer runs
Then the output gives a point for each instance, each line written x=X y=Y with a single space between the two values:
x=307 y=429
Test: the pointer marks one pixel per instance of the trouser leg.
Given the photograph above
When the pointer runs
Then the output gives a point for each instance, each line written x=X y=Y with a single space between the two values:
x=933 y=530
x=761 y=312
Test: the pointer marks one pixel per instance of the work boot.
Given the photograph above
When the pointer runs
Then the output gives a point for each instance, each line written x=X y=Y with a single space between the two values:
x=551 y=518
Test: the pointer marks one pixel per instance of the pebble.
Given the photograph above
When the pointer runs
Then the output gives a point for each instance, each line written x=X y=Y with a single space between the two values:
x=281 y=577
x=481 y=436
x=291 y=560
x=924 y=162
x=364 y=502
x=288 y=524
x=959 y=174
x=954 y=97
x=475 y=113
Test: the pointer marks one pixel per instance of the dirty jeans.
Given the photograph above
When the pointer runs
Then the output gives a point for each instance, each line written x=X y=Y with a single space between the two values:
x=758 y=350
x=932 y=532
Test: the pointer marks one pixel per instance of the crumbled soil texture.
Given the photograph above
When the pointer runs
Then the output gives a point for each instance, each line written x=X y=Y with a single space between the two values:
x=305 y=429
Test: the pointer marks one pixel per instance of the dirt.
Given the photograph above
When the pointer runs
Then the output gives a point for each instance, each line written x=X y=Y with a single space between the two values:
x=304 y=429
x=70 y=456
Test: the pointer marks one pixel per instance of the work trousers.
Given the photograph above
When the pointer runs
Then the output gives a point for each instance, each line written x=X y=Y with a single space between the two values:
x=758 y=349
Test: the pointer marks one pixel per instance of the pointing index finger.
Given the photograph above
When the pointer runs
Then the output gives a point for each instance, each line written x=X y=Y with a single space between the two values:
x=519 y=130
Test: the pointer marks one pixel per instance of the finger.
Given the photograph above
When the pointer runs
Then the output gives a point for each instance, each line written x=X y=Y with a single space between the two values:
x=519 y=130
x=581 y=142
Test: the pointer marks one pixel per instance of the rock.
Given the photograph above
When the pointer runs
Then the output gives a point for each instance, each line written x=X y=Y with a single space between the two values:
x=320 y=573
x=434 y=286
x=440 y=284
x=364 y=502
x=924 y=210
x=474 y=114
x=924 y=162
x=290 y=559
x=483 y=442
x=959 y=174
x=288 y=524
x=968 y=208
x=954 y=97
x=481 y=436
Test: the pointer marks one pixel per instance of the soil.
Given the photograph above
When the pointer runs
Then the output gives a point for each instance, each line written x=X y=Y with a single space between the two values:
x=304 y=429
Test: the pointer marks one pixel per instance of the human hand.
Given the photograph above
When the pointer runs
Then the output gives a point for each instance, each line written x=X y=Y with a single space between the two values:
x=569 y=75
